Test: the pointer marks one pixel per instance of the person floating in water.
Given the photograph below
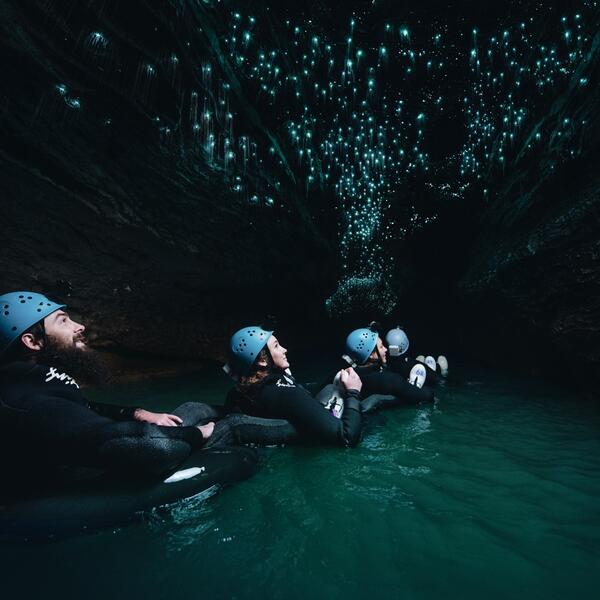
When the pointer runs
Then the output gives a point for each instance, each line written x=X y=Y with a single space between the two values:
x=266 y=388
x=366 y=351
x=46 y=419
x=416 y=371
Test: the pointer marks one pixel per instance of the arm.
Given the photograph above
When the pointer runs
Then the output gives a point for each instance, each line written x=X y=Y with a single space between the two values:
x=72 y=434
x=306 y=414
x=131 y=413
x=113 y=411
x=393 y=384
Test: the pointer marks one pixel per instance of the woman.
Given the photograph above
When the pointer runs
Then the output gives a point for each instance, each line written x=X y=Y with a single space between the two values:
x=266 y=388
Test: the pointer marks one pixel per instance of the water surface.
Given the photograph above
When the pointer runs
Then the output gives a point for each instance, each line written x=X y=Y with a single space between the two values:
x=493 y=491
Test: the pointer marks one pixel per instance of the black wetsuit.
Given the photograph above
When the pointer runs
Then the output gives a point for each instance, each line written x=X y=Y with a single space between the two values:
x=377 y=379
x=403 y=365
x=279 y=396
x=46 y=420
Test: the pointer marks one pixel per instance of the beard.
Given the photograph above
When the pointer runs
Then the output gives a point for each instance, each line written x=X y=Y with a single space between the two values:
x=84 y=365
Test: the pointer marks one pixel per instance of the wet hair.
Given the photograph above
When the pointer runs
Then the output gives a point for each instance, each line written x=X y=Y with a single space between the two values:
x=259 y=372
x=18 y=350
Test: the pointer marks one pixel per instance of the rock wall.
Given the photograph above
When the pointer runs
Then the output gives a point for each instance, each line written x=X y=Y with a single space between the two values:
x=146 y=243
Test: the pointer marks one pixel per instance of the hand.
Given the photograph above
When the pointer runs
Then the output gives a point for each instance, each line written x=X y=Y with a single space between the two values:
x=337 y=380
x=206 y=430
x=351 y=380
x=163 y=419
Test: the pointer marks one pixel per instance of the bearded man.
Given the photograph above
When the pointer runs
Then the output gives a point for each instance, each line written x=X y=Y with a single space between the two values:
x=45 y=419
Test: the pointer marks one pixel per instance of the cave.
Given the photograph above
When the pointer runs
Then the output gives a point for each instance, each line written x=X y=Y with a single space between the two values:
x=172 y=173
x=175 y=171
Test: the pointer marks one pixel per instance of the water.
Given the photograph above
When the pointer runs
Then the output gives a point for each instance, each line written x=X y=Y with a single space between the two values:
x=492 y=492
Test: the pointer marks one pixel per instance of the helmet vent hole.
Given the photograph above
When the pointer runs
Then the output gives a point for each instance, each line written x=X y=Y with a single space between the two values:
x=22 y=301
x=14 y=328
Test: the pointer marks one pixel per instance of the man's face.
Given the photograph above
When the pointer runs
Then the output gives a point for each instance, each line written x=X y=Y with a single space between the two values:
x=63 y=331
x=278 y=353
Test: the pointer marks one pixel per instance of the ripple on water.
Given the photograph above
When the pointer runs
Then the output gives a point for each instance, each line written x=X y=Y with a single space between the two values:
x=491 y=492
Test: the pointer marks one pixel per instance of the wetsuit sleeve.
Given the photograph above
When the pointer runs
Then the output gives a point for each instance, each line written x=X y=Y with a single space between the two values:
x=113 y=411
x=306 y=414
x=72 y=434
x=393 y=384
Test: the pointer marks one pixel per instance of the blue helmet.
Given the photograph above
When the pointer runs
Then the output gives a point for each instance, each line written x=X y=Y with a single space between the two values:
x=397 y=341
x=245 y=345
x=19 y=311
x=360 y=344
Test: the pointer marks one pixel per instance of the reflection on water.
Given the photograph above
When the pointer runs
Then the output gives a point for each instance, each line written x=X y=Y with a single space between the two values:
x=492 y=491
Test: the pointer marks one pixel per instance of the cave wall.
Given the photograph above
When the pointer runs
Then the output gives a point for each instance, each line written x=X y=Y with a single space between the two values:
x=112 y=205
x=148 y=246
x=532 y=282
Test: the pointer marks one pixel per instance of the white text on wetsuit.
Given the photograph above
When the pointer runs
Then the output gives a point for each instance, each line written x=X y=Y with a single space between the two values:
x=285 y=382
x=54 y=374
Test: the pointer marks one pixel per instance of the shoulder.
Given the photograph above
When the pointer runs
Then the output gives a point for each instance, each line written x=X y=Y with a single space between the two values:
x=368 y=370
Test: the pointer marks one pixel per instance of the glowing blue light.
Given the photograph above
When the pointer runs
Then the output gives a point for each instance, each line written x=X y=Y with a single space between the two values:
x=73 y=103
x=98 y=39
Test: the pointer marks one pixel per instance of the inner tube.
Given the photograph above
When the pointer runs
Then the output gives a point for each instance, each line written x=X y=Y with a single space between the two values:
x=111 y=500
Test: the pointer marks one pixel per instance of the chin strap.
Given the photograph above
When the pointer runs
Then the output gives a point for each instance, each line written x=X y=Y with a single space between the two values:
x=349 y=360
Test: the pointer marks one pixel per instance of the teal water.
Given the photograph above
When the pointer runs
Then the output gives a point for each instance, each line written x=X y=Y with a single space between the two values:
x=492 y=492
